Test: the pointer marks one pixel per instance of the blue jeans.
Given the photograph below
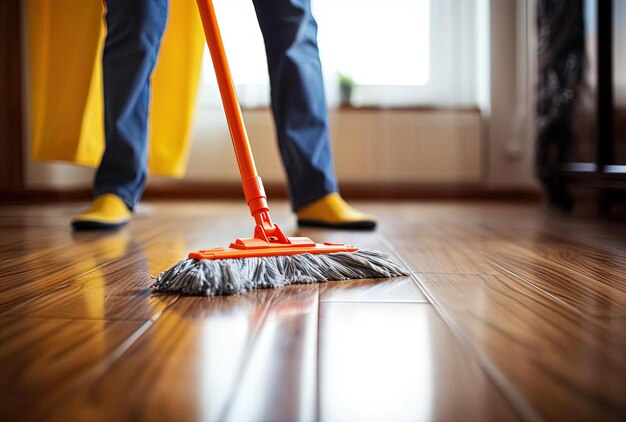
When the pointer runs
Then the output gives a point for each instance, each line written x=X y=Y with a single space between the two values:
x=297 y=92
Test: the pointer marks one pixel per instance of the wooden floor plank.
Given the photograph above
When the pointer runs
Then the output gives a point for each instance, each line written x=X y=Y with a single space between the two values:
x=583 y=278
x=598 y=297
x=534 y=305
x=278 y=380
x=42 y=361
x=444 y=255
x=360 y=239
x=381 y=361
x=41 y=233
x=184 y=367
x=589 y=279
x=608 y=268
x=113 y=281
x=45 y=270
x=595 y=287
x=573 y=248
x=399 y=289
x=559 y=363
x=116 y=288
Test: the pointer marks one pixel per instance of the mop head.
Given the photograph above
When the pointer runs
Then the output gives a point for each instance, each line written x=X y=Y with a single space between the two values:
x=205 y=277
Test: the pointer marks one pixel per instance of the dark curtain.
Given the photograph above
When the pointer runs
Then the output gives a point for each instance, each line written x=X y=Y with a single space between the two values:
x=561 y=65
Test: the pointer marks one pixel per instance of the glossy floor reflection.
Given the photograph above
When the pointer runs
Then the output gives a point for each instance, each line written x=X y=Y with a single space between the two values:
x=497 y=321
x=391 y=361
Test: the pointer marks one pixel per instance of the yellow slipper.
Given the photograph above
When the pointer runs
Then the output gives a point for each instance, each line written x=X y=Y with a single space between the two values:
x=107 y=211
x=332 y=211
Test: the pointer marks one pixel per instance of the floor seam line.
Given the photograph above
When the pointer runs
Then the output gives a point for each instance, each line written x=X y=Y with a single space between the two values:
x=68 y=282
x=508 y=391
x=110 y=359
x=390 y=245
x=389 y=302
x=245 y=359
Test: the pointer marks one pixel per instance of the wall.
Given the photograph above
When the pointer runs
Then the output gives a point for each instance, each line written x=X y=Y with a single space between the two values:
x=500 y=156
x=370 y=146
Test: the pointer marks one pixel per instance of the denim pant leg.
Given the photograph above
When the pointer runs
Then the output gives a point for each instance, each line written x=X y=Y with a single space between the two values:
x=134 y=30
x=298 y=102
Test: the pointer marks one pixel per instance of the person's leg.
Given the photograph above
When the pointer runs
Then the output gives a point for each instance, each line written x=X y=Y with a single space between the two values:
x=134 y=31
x=300 y=113
x=297 y=93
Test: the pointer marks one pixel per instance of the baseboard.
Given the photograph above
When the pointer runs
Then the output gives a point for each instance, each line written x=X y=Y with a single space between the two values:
x=29 y=195
x=208 y=191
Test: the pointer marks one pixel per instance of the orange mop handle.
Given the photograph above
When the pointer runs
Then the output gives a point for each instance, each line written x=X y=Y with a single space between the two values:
x=252 y=185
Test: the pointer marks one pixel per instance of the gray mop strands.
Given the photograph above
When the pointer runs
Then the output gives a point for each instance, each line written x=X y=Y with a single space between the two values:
x=205 y=277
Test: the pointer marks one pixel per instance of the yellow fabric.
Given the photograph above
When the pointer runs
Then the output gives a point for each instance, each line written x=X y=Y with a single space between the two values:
x=333 y=209
x=65 y=40
x=107 y=209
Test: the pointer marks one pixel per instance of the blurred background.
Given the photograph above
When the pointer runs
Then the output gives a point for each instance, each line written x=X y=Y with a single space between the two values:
x=428 y=99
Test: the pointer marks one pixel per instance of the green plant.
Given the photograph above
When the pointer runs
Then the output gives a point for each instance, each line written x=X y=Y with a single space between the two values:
x=345 y=81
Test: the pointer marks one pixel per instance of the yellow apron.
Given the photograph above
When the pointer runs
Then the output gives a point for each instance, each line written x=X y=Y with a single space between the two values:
x=65 y=41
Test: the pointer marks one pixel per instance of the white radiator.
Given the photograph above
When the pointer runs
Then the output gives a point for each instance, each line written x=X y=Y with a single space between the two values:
x=430 y=146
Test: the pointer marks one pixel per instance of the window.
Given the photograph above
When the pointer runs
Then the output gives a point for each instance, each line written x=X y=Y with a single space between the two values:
x=406 y=53
x=374 y=45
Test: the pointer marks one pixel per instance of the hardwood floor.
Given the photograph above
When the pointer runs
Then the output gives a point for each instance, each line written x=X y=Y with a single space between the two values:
x=510 y=313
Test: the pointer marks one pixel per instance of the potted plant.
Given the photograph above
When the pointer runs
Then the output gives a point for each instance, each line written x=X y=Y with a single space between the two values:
x=346 y=84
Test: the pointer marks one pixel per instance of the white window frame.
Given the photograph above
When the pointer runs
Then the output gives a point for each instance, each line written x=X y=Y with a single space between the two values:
x=458 y=48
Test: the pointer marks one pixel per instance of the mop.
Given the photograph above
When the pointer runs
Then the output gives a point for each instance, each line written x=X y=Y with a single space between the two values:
x=269 y=259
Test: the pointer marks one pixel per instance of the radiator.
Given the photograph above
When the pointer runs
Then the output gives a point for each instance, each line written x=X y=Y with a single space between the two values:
x=413 y=146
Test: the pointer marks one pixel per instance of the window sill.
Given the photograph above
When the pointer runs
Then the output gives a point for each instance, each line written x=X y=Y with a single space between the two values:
x=420 y=108
x=417 y=108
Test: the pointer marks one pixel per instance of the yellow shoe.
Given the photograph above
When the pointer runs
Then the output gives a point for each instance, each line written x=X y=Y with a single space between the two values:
x=333 y=212
x=107 y=211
